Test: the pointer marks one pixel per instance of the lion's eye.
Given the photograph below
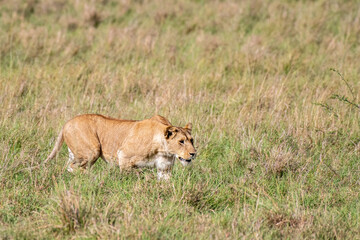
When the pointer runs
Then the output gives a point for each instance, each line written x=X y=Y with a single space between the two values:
x=181 y=141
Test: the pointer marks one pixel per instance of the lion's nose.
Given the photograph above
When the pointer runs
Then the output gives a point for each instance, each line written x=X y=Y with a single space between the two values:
x=192 y=154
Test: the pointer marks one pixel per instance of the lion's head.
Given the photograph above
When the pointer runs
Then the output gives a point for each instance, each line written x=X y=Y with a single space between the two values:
x=181 y=143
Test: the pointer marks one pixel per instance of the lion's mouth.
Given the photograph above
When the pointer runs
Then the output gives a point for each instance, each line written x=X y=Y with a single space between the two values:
x=185 y=160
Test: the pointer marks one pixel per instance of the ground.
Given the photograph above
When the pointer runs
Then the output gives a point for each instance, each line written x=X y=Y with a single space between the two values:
x=271 y=87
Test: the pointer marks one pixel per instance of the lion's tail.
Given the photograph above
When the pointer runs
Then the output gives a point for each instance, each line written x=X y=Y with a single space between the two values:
x=58 y=144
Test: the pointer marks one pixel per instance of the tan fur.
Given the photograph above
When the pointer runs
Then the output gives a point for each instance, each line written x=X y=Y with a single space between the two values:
x=151 y=142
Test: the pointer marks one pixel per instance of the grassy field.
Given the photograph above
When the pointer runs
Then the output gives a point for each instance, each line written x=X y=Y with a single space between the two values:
x=271 y=87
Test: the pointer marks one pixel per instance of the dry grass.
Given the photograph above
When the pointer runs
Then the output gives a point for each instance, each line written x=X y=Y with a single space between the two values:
x=277 y=131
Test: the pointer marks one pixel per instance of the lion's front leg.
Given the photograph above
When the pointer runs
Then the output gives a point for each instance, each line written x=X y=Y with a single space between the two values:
x=163 y=175
x=164 y=165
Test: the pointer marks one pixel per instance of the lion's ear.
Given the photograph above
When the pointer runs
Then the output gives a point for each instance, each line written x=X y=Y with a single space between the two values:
x=170 y=131
x=188 y=127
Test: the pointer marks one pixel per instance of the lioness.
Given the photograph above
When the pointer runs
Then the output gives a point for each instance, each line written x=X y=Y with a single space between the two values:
x=151 y=142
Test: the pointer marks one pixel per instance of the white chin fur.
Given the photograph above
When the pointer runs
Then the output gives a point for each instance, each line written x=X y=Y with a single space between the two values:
x=185 y=164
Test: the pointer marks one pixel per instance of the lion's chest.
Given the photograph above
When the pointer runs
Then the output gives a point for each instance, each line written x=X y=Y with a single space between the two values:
x=159 y=161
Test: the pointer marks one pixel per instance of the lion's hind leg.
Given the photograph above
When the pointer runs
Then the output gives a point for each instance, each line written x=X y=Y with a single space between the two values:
x=77 y=161
x=70 y=161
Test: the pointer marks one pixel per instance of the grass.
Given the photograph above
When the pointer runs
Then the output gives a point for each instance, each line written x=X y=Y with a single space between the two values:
x=271 y=88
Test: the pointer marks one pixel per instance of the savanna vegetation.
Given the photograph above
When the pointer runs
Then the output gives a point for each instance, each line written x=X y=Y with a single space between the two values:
x=271 y=87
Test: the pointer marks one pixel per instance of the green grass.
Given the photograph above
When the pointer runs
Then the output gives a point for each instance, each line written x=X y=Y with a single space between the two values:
x=271 y=88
